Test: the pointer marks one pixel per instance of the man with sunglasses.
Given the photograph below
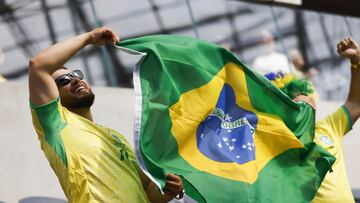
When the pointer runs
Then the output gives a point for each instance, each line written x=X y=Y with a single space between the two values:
x=93 y=163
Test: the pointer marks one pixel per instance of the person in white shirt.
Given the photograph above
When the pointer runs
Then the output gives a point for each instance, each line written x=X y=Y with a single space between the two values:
x=271 y=60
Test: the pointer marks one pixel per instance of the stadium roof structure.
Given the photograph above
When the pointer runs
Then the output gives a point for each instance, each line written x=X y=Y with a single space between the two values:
x=28 y=26
x=341 y=7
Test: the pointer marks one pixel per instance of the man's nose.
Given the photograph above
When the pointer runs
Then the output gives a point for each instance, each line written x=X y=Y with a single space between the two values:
x=75 y=80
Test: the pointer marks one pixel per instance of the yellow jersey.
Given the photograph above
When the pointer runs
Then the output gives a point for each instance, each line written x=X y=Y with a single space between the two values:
x=329 y=134
x=93 y=163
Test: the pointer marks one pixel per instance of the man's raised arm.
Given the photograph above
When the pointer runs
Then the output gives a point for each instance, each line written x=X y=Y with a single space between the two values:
x=348 y=48
x=42 y=87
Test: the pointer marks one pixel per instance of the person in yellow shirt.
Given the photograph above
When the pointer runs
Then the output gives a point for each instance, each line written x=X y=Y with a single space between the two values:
x=330 y=131
x=93 y=163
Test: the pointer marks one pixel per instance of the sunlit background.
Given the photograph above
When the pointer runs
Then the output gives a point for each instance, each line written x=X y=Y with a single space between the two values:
x=313 y=28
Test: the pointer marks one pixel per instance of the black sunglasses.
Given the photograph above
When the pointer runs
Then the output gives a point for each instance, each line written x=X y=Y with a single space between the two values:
x=65 y=79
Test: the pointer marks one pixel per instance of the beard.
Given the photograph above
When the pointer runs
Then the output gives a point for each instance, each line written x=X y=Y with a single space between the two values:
x=79 y=101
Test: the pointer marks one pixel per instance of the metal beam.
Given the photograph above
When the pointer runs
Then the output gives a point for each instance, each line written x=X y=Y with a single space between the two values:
x=157 y=15
x=302 y=37
x=327 y=37
x=342 y=7
x=200 y=22
x=123 y=76
x=21 y=36
x=234 y=34
x=120 y=72
x=48 y=20
x=83 y=55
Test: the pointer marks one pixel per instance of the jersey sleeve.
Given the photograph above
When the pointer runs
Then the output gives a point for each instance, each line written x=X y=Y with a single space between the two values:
x=48 y=123
x=338 y=123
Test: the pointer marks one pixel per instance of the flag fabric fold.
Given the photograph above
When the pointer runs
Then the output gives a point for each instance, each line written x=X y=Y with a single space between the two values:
x=229 y=133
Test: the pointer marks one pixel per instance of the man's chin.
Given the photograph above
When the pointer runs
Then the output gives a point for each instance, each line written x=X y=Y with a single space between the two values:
x=81 y=100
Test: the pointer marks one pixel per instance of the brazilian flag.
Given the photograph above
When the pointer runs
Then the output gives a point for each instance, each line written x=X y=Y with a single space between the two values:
x=223 y=128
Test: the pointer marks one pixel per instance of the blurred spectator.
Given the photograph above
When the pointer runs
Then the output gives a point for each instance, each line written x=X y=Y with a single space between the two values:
x=323 y=81
x=301 y=70
x=271 y=60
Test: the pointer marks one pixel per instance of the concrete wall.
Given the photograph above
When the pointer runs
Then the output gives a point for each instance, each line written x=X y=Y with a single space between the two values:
x=24 y=170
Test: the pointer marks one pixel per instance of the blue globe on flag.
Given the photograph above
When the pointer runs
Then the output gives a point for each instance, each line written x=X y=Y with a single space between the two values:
x=227 y=134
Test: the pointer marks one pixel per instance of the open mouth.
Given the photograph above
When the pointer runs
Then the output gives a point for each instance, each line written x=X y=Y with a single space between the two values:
x=79 y=89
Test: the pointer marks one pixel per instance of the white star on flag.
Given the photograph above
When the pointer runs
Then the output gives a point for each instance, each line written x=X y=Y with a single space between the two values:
x=227 y=117
x=244 y=146
x=225 y=139
x=219 y=145
x=233 y=140
x=231 y=148
x=238 y=157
